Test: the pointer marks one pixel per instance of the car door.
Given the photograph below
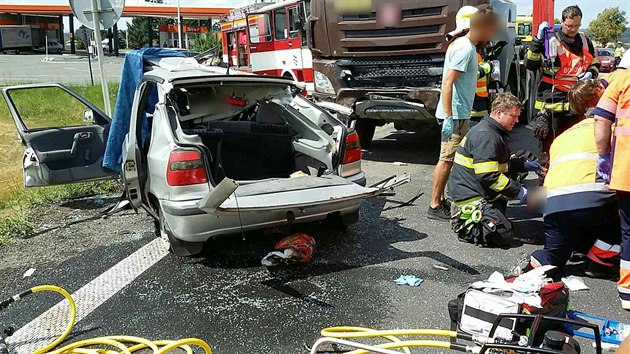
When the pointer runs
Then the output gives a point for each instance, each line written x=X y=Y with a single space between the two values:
x=132 y=155
x=64 y=135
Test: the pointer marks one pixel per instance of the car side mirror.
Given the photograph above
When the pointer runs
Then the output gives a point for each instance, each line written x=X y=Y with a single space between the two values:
x=88 y=116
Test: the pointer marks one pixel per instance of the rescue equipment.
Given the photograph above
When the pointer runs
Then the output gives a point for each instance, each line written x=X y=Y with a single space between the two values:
x=611 y=331
x=536 y=340
x=121 y=343
x=480 y=223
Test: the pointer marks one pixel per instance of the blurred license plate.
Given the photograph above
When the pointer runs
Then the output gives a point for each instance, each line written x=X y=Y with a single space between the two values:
x=353 y=6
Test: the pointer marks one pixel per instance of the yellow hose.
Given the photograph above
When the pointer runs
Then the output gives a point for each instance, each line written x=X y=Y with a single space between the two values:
x=407 y=344
x=348 y=332
x=120 y=344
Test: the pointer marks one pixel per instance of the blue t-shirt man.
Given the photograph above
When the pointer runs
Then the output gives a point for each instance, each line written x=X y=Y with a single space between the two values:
x=461 y=56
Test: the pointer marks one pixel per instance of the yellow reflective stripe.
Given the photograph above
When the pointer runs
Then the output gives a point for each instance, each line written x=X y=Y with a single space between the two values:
x=468 y=201
x=500 y=184
x=486 y=167
x=463 y=141
x=481 y=89
x=463 y=160
x=558 y=106
x=533 y=56
x=504 y=167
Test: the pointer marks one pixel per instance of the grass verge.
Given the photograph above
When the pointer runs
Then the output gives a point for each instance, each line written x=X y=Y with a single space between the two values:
x=38 y=109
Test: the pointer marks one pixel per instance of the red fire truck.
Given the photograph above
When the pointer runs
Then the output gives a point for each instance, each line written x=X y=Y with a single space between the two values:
x=269 y=39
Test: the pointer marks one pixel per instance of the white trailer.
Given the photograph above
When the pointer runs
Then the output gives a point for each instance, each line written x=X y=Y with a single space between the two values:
x=15 y=38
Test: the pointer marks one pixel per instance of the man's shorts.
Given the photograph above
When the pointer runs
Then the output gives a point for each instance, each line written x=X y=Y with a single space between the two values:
x=448 y=147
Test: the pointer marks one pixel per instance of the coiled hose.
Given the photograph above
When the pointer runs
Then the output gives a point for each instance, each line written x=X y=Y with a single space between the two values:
x=120 y=344
x=341 y=335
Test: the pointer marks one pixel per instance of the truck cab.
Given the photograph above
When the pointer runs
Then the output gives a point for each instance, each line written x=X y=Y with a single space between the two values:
x=390 y=69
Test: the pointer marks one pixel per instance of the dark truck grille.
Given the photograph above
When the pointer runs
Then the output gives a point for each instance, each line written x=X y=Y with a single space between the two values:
x=422 y=31
x=402 y=71
x=429 y=11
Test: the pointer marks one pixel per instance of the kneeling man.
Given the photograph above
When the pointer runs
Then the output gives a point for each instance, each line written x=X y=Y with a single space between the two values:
x=480 y=183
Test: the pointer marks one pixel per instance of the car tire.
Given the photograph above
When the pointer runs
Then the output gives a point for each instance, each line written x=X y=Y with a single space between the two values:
x=177 y=247
x=365 y=128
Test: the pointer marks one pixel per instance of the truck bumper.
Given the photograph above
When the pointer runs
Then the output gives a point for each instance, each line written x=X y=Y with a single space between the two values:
x=387 y=104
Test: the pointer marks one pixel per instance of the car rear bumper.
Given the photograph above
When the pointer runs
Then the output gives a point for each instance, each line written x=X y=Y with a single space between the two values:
x=188 y=223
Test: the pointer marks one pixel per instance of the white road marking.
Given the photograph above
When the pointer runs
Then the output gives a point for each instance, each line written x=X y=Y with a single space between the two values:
x=49 y=325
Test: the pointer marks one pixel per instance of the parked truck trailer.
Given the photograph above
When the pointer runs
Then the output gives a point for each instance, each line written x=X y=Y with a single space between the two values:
x=15 y=38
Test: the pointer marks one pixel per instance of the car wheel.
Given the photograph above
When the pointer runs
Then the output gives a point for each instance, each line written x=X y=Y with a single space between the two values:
x=365 y=128
x=177 y=247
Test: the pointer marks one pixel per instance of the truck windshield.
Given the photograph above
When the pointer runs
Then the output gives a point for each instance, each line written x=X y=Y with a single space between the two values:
x=524 y=29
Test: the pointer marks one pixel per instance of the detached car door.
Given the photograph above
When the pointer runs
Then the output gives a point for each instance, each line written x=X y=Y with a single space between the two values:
x=64 y=135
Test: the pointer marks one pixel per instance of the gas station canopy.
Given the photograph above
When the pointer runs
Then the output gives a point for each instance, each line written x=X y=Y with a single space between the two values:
x=188 y=8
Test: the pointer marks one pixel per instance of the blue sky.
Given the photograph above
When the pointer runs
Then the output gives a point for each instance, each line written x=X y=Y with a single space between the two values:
x=590 y=8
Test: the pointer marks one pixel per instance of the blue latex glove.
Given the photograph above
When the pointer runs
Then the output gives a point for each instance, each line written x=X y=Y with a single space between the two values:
x=533 y=166
x=522 y=195
x=541 y=29
x=586 y=76
x=410 y=280
x=604 y=166
x=447 y=127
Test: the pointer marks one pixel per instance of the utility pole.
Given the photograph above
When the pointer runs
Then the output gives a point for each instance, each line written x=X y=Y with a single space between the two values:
x=180 y=28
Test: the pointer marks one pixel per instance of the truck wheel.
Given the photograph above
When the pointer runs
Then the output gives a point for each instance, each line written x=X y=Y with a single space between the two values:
x=365 y=128
x=177 y=247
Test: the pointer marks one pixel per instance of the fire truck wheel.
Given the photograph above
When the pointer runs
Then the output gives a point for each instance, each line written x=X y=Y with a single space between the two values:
x=365 y=128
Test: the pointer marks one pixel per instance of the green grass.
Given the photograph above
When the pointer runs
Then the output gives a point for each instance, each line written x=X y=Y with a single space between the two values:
x=39 y=108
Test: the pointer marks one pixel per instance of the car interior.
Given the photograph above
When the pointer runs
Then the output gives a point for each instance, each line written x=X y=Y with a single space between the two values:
x=250 y=130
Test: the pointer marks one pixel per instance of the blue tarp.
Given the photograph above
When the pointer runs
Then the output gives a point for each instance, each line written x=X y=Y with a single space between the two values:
x=129 y=81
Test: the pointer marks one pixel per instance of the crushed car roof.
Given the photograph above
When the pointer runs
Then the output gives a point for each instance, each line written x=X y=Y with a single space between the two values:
x=171 y=69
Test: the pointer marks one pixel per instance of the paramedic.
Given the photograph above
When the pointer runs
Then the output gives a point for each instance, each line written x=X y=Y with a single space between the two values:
x=459 y=82
x=575 y=61
x=483 y=159
x=613 y=164
x=579 y=207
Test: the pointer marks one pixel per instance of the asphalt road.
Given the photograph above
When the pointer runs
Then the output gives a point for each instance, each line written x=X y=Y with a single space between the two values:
x=65 y=68
x=228 y=299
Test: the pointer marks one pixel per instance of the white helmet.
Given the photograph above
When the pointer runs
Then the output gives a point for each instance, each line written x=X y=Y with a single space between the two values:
x=462 y=20
x=625 y=61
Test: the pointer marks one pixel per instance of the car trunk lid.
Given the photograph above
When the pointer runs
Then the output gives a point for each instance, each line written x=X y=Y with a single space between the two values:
x=299 y=192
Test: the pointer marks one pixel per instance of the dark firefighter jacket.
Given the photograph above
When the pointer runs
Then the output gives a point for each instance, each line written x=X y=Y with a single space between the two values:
x=535 y=61
x=481 y=163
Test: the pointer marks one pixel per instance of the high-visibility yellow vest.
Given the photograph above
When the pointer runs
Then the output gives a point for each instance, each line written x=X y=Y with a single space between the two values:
x=572 y=182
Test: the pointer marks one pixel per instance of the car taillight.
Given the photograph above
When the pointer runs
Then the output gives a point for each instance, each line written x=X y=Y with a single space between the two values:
x=353 y=148
x=185 y=167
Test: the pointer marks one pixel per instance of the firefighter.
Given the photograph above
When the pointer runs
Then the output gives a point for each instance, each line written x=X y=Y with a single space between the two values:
x=479 y=178
x=579 y=207
x=575 y=61
x=481 y=102
x=613 y=164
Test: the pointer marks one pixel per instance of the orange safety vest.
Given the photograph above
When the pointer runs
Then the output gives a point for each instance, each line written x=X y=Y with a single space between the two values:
x=482 y=82
x=571 y=66
x=616 y=99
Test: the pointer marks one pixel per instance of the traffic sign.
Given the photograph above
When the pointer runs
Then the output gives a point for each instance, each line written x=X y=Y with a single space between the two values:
x=109 y=12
